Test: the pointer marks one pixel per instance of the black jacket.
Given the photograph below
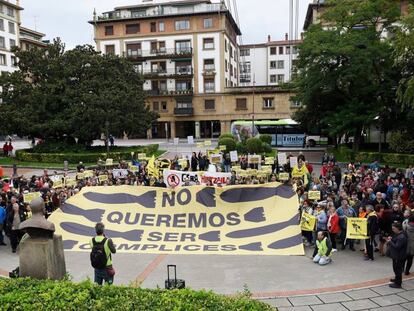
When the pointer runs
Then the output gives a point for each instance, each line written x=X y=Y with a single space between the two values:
x=398 y=246
x=372 y=222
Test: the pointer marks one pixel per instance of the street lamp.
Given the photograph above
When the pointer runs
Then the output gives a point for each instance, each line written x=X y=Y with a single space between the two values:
x=107 y=137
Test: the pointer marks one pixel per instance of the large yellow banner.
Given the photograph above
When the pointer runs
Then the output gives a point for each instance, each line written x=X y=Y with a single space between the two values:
x=242 y=220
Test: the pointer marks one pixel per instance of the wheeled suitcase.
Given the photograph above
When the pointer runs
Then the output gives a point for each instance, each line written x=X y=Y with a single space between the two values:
x=173 y=283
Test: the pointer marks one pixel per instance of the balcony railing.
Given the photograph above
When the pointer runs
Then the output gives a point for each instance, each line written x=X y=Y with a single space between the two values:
x=165 y=53
x=210 y=70
x=183 y=111
x=188 y=92
x=162 y=11
x=177 y=71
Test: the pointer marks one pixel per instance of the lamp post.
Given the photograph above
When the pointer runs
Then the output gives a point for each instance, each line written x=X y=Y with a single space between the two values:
x=107 y=137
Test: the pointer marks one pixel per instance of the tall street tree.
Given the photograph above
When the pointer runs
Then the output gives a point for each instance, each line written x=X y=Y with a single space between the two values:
x=346 y=80
x=76 y=93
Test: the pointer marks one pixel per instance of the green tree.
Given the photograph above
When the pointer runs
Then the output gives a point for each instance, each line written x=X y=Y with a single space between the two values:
x=57 y=93
x=345 y=68
x=404 y=57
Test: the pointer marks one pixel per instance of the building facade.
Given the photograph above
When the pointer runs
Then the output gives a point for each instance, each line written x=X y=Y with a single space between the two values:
x=188 y=53
x=271 y=63
x=31 y=39
x=9 y=34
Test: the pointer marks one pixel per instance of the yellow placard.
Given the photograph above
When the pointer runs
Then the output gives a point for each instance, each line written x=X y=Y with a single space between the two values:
x=109 y=162
x=269 y=160
x=284 y=176
x=233 y=220
x=69 y=182
x=57 y=184
x=88 y=174
x=133 y=168
x=207 y=143
x=215 y=158
x=183 y=163
x=307 y=222
x=142 y=156
x=29 y=197
x=314 y=195
x=254 y=159
x=222 y=147
x=80 y=176
x=356 y=228
x=200 y=145
x=103 y=178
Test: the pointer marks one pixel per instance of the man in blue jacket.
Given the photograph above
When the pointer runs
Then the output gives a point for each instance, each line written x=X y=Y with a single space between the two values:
x=345 y=211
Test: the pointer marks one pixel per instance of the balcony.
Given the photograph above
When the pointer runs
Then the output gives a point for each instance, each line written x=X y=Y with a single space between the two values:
x=209 y=71
x=160 y=53
x=181 y=71
x=162 y=11
x=183 y=93
x=184 y=111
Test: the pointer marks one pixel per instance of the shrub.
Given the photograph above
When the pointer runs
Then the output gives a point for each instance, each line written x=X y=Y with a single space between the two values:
x=230 y=144
x=266 y=138
x=241 y=148
x=226 y=135
x=254 y=145
x=29 y=294
x=266 y=148
x=90 y=156
x=401 y=142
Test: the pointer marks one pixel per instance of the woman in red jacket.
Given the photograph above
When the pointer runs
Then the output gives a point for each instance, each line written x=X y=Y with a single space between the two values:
x=333 y=224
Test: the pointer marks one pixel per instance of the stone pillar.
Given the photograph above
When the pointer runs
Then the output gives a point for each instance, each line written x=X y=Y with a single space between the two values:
x=149 y=133
x=225 y=127
x=197 y=129
x=173 y=134
x=42 y=258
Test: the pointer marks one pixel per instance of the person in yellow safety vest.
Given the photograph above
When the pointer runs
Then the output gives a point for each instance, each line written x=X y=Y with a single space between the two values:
x=101 y=256
x=323 y=249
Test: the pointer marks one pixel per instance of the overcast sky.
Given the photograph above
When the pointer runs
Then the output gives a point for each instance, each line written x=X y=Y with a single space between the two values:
x=68 y=19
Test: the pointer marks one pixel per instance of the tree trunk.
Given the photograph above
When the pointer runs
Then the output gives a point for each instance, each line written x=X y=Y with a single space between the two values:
x=357 y=139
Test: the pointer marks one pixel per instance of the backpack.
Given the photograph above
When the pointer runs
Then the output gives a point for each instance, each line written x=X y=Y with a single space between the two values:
x=98 y=255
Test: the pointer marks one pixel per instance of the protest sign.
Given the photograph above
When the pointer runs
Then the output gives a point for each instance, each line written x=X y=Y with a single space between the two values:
x=215 y=178
x=222 y=147
x=109 y=162
x=69 y=182
x=356 y=228
x=200 y=145
x=88 y=174
x=207 y=143
x=216 y=158
x=103 y=178
x=190 y=140
x=233 y=156
x=177 y=178
x=29 y=197
x=80 y=176
x=314 y=195
x=176 y=141
x=238 y=220
x=281 y=158
x=254 y=159
x=293 y=161
x=269 y=160
x=142 y=156
x=284 y=176
x=307 y=222
x=120 y=173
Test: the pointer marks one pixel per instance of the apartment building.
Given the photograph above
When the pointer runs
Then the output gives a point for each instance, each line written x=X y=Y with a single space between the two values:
x=188 y=53
x=270 y=63
x=9 y=33
x=31 y=39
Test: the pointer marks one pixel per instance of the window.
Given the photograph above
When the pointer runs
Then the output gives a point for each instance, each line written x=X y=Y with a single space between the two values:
x=273 y=64
x=12 y=28
x=183 y=85
x=153 y=27
x=12 y=43
x=208 y=43
x=245 y=78
x=209 y=65
x=273 y=79
x=183 y=46
x=3 y=59
x=231 y=70
x=2 y=43
x=295 y=50
x=245 y=67
x=208 y=23
x=241 y=104
x=288 y=50
x=209 y=86
x=1 y=8
x=109 y=30
x=280 y=64
x=110 y=49
x=132 y=29
x=280 y=79
x=231 y=51
x=267 y=103
x=280 y=50
x=133 y=49
x=245 y=52
x=226 y=65
x=209 y=104
x=161 y=27
x=156 y=106
x=182 y=25
x=184 y=105
x=295 y=104
x=272 y=51
x=1 y=24
x=163 y=106
x=10 y=11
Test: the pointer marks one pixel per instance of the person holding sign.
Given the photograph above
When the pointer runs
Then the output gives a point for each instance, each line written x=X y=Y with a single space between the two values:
x=345 y=211
x=372 y=230
x=323 y=249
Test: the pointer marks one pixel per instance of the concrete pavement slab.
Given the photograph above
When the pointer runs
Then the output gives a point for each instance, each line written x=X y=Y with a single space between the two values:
x=362 y=294
x=302 y=308
x=389 y=300
x=386 y=290
x=390 y=308
x=329 y=307
x=409 y=306
x=363 y=304
x=408 y=295
x=305 y=301
x=334 y=297
x=277 y=302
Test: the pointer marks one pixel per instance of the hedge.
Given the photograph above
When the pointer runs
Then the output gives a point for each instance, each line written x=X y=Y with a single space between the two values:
x=27 y=155
x=230 y=144
x=345 y=154
x=30 y=294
